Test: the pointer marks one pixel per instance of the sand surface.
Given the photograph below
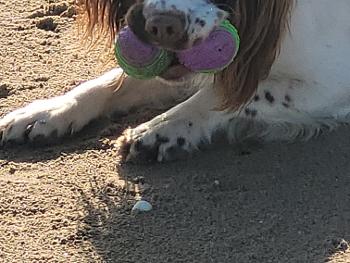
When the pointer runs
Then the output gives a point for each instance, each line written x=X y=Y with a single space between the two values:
x=72 y=202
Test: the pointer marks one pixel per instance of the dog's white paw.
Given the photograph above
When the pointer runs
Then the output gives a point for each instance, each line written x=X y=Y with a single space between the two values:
x=164 y=139
x=41 y=121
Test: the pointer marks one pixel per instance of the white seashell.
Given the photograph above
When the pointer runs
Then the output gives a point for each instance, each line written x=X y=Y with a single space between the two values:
x=142 y=206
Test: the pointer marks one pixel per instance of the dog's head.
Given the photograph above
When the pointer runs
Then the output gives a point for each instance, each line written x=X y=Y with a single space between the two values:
x=180 y=24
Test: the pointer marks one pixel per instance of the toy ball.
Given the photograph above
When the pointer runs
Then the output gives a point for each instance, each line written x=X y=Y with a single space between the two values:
x=138 y=59
x=214 y=53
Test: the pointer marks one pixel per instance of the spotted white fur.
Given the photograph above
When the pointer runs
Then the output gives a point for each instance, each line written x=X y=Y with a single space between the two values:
x=308 y=89
x=201 y=15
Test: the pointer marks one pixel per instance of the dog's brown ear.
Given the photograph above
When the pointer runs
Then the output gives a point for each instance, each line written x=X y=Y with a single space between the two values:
x=261 y=25
x=104 y=17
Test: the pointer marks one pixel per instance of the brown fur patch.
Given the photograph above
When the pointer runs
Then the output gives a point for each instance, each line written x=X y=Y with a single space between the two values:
x=261 y=25
x=103 y=17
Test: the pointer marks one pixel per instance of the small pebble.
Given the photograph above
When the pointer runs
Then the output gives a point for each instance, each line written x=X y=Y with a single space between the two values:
x=142 y=206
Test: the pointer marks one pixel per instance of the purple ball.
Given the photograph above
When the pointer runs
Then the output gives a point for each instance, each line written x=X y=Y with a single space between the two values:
x=213 y=54
x=134 y=51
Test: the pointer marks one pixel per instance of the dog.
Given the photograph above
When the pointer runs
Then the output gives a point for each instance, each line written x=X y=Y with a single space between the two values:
x=290 y=79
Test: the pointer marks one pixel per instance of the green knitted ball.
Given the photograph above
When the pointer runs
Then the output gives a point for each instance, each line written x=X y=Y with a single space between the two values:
x=138 y=59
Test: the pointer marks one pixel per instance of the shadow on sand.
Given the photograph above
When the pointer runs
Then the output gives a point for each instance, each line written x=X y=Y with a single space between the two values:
x=282 y=203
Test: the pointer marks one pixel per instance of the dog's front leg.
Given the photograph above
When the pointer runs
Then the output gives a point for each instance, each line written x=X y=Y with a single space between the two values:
x=179 y=131
x=55 y=117
x=51 y=118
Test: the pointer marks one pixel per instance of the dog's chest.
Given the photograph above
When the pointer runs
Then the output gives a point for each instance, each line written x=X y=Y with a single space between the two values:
x=318 y=46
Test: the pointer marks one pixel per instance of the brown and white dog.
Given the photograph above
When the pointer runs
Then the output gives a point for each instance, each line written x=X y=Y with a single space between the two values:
x=290 y=79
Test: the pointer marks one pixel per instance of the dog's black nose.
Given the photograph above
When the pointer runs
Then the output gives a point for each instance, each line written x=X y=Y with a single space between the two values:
x=165 y=29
